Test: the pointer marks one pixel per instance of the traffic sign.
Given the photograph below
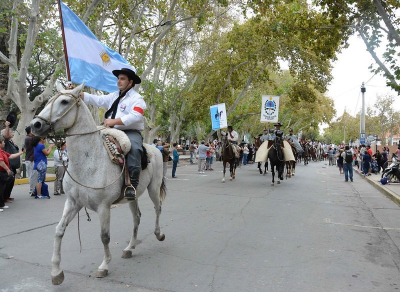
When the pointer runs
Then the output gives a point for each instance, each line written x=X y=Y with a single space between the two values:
x=362 y=138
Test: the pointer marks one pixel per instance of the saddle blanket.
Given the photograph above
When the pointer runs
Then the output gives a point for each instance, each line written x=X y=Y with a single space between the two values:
x=262 y=152
x=120 y=136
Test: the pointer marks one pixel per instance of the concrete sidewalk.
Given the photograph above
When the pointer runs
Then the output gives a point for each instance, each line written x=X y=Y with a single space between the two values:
x=392 y=190
x=183 y=160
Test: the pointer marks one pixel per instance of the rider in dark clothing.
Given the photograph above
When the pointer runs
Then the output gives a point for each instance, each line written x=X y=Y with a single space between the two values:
x=278 y=139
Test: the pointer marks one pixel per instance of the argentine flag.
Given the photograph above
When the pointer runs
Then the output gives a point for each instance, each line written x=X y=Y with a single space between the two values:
x=89 y=60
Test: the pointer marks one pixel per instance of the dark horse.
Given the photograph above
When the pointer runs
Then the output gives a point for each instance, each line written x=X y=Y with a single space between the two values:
x=228 y=156
x=257 y=144
x=275 y=156
x=306 y=154
x=291 y=165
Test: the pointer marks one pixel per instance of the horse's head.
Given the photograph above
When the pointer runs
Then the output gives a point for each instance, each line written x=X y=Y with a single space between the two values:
x=225 y=141
x=60 y=112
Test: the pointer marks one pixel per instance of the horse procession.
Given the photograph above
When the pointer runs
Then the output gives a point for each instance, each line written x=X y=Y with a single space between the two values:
x=107 y=172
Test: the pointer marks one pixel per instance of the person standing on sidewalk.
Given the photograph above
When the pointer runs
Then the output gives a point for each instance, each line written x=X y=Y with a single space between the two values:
x=40 y=154
x=245 y=154
x=165 y=153
x=10 y=148
x=347 y=156
x=60 y=163
x=340 y=161
x=202 y=156
x=6 y=172
x=192 y=149
x=29 y=161
x=175 y=159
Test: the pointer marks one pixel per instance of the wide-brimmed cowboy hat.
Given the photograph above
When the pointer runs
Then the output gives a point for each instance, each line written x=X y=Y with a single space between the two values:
x=128 y=72
x=278 y=124
x=12 y=118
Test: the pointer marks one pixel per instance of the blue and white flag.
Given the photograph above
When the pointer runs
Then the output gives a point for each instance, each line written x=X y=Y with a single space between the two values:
x=89 y=60
x=218 y=116
x=269 y=108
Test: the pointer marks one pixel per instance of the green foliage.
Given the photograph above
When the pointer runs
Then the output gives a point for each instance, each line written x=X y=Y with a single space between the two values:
x=365 y=18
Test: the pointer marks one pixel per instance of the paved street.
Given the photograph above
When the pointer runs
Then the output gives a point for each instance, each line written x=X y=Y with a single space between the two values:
x=314 y=232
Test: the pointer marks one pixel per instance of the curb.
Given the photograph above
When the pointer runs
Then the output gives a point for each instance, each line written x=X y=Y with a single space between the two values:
x=22 y=181
x=388 y=193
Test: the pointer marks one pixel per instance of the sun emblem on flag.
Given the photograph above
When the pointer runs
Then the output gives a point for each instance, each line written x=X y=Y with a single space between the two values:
x=270 y=106
x=105 y=58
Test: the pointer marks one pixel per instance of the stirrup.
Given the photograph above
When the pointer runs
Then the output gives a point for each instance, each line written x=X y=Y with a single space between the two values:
x=130 y=192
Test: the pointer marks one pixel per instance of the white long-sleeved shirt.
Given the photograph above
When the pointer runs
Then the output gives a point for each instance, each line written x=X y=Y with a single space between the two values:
x=130 y=108
x=58 y=161
x=234 y=134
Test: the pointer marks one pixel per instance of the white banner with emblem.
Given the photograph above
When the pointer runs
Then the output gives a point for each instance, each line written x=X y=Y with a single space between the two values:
x=269 y=109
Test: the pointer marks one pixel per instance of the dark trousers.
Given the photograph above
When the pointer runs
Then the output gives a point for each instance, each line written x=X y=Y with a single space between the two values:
x=2 y=188
x=174 y=165
x=134 y=156
x=9 y=187
x=348 y=171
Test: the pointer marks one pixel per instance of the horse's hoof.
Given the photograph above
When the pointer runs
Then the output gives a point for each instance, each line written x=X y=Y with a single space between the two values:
x=57 y=279
x=230 y=178
x=278 y=182
x=293 y=174
x=126 y=254
x=101 y=273
x=223 y=180
x=272 y=184
x=162 y=237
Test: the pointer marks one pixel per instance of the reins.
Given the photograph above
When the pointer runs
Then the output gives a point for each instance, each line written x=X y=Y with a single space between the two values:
x=58 y=139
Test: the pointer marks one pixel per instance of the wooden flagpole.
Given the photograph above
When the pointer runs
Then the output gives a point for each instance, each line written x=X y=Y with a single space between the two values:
x=64 y=43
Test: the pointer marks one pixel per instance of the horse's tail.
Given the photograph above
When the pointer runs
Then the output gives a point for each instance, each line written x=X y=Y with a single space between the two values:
x=163 y=190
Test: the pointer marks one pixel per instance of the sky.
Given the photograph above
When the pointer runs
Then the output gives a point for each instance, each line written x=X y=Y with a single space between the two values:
x=349 y=72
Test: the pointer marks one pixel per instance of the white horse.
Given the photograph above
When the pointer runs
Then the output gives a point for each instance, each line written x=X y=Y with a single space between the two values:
x=93 y=180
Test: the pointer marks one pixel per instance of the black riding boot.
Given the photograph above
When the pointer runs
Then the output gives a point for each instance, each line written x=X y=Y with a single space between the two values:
x=130 y=191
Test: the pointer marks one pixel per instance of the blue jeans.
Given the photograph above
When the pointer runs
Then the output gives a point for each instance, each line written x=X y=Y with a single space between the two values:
x=191 y=157
x=174 y=165
x=245 y=158
x=348 y=171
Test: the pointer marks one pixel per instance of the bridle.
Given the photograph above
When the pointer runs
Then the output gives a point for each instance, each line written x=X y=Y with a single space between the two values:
x=48 y=121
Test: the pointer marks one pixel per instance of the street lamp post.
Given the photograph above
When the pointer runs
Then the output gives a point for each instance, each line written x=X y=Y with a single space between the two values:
x=362 y=120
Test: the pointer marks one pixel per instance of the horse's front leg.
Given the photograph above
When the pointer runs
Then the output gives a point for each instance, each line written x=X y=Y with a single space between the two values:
x=70 y=210
x=233 y=170
x=223 y=171
x=104 y=216
x=273 y=174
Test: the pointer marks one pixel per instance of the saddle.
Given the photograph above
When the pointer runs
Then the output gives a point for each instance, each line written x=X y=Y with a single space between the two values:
x=118 y=145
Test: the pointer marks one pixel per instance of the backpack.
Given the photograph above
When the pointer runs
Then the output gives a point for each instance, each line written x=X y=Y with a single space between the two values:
x=348 y=157
x=11 y=148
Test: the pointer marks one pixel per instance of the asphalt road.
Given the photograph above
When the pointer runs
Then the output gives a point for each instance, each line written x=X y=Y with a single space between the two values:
x=314 y=232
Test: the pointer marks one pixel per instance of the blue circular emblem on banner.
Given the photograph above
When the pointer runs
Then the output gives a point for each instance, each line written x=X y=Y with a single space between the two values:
x=270 y=107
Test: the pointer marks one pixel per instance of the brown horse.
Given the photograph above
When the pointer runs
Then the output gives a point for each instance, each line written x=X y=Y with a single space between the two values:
x=228 y=156
x=306 y=153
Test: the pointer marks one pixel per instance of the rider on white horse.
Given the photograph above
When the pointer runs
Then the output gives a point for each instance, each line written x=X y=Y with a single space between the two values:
x=125 y=112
